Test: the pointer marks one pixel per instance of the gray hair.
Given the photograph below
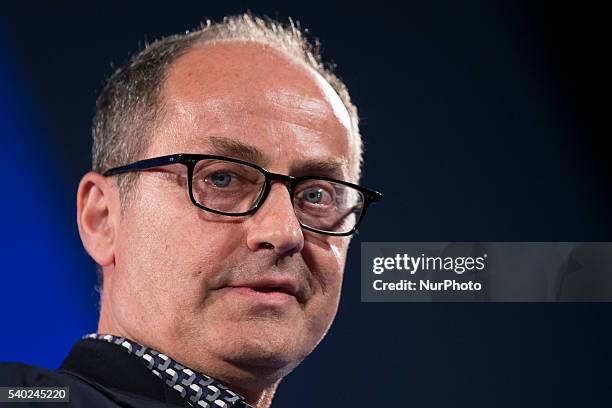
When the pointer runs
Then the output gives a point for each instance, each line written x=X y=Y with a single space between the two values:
x=128 y=106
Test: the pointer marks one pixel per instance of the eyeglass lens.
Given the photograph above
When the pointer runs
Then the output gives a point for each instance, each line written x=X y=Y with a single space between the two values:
x=236 y=188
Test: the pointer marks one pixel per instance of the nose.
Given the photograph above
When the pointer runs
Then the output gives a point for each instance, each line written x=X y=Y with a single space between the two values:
x=274 y=225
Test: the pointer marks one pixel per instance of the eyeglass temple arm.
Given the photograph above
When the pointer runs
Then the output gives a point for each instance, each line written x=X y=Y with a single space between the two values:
x=373 y=196
x=145 y=164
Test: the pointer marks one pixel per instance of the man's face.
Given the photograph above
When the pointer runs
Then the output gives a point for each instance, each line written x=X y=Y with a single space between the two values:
x=193 y=283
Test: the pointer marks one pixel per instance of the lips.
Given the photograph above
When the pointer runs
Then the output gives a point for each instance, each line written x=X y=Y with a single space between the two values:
x=271 y=286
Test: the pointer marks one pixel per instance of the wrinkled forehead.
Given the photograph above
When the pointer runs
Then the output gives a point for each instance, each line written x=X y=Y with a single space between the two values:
x=258 y=96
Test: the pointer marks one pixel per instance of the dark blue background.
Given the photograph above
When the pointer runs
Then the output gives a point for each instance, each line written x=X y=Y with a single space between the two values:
x=482 y=121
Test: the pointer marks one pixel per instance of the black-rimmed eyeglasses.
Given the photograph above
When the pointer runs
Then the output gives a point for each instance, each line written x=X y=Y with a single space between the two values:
x=233 y=187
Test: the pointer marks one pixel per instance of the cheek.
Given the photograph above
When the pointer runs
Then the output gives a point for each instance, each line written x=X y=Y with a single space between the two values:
x=326 y=261
x=167 y=255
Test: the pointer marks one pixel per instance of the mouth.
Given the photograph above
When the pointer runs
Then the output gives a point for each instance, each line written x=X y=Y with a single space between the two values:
x=268 y=290
x=271 y=289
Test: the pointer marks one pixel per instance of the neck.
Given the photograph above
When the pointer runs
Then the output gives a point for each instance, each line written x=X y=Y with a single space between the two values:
x=261 y=398
x=256 y=384
x=259 y=393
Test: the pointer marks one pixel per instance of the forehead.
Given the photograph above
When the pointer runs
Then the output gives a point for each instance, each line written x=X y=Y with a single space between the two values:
x=257 y=97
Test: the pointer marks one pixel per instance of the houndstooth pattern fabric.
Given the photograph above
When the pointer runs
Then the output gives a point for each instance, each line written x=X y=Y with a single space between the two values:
x=198 y=389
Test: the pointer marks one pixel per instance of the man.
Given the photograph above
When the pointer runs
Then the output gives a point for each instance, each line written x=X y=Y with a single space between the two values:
x=219 y=211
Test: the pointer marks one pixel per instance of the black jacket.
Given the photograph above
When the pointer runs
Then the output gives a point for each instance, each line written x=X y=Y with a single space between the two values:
x=98 y=374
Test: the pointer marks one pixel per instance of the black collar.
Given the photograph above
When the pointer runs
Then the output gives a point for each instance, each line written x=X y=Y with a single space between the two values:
x=108 y=368
x=116 y=366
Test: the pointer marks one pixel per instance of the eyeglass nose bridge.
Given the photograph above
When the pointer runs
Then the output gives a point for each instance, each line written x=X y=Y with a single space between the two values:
x=289 y=181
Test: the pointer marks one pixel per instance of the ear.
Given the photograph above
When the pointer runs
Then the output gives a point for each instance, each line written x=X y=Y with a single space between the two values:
x=98 y=211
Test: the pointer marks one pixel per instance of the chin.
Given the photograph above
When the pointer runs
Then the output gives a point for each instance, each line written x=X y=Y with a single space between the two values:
x=269 y=346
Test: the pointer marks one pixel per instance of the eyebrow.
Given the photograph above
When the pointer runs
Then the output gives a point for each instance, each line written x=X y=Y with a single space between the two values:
x=331 y=167
x=226 y=146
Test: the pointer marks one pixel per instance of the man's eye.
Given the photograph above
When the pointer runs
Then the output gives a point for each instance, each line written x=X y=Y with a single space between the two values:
x=221 y=179
x=315 y=195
